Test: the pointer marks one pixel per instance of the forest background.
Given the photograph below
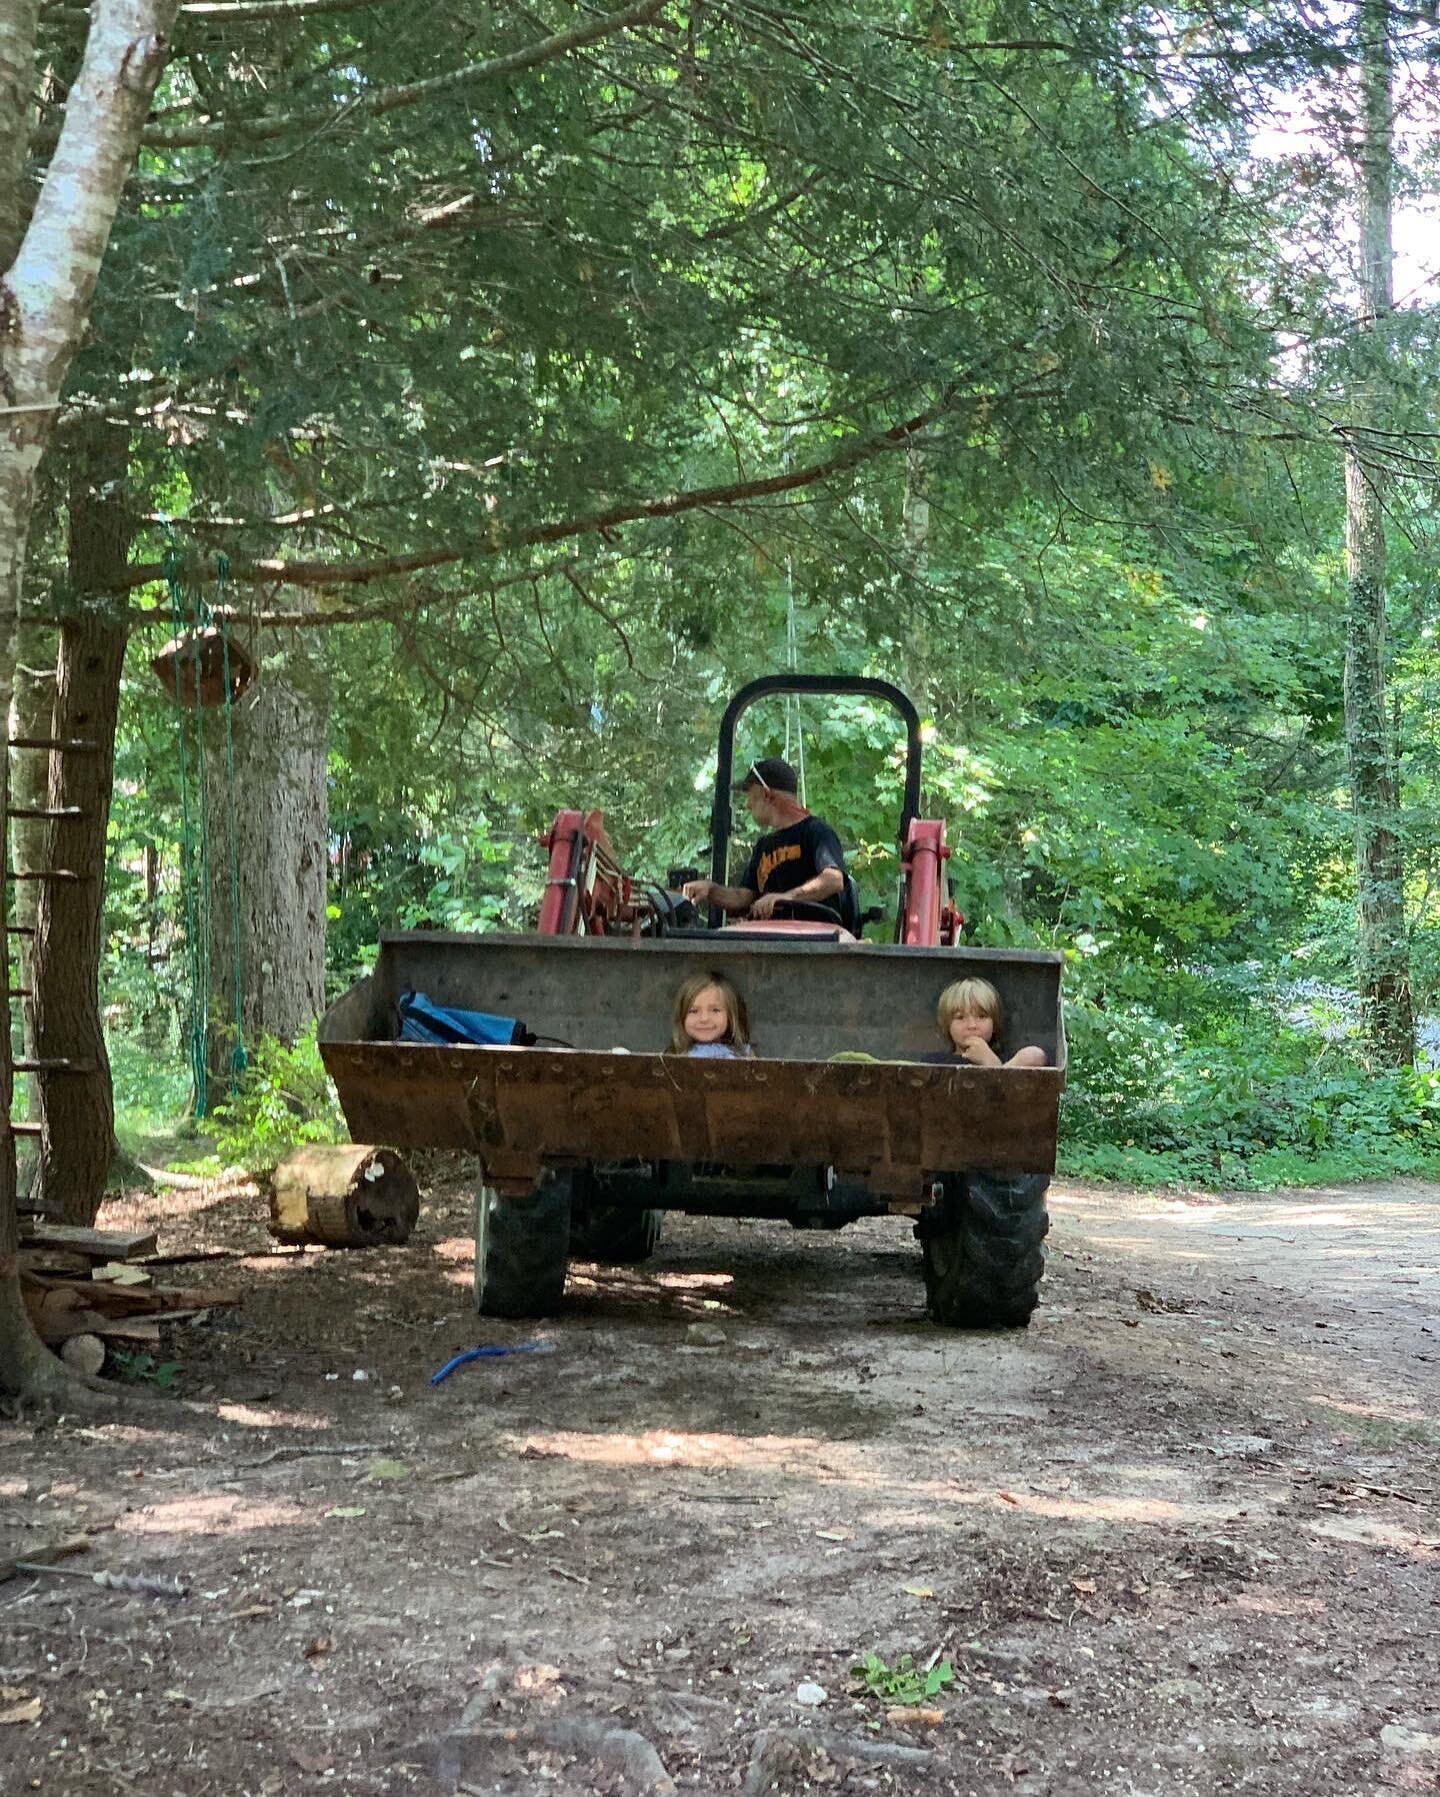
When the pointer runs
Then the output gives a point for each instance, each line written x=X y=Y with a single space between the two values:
x=512 y=385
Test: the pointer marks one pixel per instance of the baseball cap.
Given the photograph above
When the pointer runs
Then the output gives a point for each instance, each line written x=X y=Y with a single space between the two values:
x=772 y=773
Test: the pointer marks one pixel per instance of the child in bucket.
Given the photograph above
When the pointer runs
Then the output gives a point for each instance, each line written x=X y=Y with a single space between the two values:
x=971 y=1020
x=709 y=1020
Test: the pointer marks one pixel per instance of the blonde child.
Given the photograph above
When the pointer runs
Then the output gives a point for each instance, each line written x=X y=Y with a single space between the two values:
x=709 y=1020
x=971 y=1019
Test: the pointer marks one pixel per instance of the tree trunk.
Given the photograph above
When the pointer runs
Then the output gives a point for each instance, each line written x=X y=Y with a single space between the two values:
x=45 y=299
x=273 y=821
x=77 y=1105
x=1382 y=947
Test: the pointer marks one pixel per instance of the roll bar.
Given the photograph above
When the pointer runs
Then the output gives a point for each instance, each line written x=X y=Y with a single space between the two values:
x=857 y=685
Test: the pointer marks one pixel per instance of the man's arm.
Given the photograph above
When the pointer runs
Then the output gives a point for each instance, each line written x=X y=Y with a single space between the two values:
x=726 y=898
x=814 y=891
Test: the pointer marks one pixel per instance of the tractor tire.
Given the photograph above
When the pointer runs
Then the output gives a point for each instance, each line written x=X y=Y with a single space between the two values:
x=522 y=1248
x=983 y=1250
x=615 y=1234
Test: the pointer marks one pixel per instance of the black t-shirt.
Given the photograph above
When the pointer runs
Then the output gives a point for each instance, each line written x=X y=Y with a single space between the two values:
x=788 y=858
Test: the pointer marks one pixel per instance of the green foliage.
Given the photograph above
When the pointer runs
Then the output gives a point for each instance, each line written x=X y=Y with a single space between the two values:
x=285 y=1099
x=142 y=1368
x=904 y=1682
x=1236 y=1100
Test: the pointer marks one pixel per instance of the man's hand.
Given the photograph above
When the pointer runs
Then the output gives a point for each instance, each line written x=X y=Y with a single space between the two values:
x=699 y=892
x=764 y=906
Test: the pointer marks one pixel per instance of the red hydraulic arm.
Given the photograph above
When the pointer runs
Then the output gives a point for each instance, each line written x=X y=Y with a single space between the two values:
x=927 y=920
x=587 y=892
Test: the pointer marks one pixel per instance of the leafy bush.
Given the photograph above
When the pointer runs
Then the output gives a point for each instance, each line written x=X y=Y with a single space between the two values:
x=1244 y=1101
x=285 y=1099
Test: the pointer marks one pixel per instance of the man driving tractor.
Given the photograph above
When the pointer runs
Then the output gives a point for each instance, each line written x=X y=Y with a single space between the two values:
x=798 y=859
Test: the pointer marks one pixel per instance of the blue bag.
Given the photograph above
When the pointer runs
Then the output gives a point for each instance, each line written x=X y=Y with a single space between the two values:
x=421 y=1020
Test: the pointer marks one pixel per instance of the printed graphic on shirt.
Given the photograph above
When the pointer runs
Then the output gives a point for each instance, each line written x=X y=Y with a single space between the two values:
x=789 y=851
x=785 y=859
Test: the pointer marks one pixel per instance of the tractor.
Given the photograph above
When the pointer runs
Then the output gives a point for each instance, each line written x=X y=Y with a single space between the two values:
x=587 y=1130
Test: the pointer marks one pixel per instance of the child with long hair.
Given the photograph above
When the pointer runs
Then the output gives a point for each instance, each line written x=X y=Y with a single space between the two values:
x=709 y=1020
x=971 y=1020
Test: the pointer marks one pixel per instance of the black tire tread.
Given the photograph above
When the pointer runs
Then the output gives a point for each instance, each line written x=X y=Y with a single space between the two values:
x=983 y=1253
x=616 y=1234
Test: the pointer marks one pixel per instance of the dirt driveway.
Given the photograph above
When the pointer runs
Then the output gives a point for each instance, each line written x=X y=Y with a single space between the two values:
x=1179 y=1536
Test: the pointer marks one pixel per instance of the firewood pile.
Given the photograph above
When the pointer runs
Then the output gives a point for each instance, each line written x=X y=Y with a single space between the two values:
x=84 y=1289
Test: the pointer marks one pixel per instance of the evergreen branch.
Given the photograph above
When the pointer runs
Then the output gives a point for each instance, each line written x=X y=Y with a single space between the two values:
x=278 y=572
x=390 y=99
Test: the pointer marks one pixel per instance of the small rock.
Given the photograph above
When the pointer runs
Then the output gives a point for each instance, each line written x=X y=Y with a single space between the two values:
x=705 y=1335
x=810 y=1694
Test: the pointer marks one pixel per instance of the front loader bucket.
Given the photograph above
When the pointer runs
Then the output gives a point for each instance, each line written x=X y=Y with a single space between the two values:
x=889 y=1122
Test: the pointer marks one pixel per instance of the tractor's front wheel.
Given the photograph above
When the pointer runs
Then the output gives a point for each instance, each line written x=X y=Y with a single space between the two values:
x=983 y=1249
x=522 y=1247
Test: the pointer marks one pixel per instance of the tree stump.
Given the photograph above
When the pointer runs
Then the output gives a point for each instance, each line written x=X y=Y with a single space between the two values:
x=347 y=1196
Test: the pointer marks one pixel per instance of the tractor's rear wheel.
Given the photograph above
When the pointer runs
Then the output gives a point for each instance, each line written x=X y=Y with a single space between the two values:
x=615 y=1233
x=522 y=1247
x=983 y=1249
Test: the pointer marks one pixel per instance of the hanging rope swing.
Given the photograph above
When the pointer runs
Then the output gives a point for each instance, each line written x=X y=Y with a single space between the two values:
x=204 y=666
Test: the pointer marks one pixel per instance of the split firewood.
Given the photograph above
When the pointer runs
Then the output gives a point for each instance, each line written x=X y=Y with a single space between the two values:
x=95 y=1244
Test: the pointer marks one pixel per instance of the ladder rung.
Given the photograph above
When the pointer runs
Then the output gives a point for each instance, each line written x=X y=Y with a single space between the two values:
x=71 y=745
x=53 y=1064
x=20 y=929
x=66 y=875
x=19 y=992
x=25 y=1129
x=44 y=811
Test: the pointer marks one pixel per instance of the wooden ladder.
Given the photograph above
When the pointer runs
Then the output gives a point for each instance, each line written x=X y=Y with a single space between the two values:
x=50 y=745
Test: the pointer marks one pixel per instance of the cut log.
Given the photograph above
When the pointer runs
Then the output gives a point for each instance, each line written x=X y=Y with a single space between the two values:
x=348 y=1196
x=85 y=1353
x=96 y=1244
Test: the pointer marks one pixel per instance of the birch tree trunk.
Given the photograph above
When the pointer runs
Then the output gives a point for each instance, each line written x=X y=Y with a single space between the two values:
x=276 y=813
x=77 y=1107
x=45 y=298
x=1382 y=947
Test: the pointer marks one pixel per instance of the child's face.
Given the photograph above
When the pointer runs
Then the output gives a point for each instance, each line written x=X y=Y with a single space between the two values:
x=970 y=1026
x=707 y=1020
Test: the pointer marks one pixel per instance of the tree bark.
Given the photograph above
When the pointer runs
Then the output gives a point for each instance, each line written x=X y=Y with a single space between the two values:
x=1381 y=943
x=77 y=1106
x=276 y=815
x=45 y=299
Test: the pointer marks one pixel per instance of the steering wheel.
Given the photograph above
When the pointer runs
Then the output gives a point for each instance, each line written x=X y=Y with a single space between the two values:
x=807 y=911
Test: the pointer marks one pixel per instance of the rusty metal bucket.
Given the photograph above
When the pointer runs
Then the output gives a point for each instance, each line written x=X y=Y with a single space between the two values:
x=891 y=1122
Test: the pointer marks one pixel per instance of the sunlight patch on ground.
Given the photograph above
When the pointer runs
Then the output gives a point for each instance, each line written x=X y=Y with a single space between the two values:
x=220 y=1515
x=1111 y=1508
x=454 y=1247
x=1279 y=1603
x=664 y=1447
x=250 y=1418
x=1373 y=1531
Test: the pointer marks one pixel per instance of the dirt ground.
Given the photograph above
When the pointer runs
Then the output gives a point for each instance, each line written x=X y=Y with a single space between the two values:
x=1179 y=1536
